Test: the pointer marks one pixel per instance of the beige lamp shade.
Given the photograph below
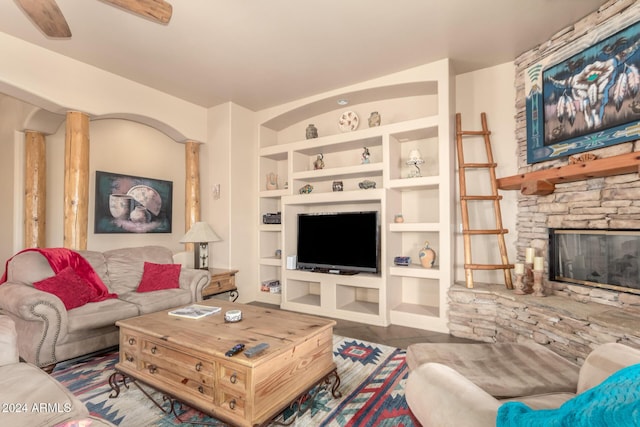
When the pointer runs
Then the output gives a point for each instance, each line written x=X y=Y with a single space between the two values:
x=200 y=232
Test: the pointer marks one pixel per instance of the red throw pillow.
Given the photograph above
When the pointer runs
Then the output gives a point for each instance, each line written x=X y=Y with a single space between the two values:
x=73 y=290
x=159 y=276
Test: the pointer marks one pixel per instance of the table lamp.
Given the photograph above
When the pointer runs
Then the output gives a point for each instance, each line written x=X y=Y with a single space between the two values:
x=415 y=159
x=201 y=234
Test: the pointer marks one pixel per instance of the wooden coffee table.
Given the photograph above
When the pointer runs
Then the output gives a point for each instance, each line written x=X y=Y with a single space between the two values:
x=185 y=359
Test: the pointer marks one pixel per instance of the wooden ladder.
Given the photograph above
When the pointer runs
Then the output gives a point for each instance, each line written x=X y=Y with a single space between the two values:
x=467 y=233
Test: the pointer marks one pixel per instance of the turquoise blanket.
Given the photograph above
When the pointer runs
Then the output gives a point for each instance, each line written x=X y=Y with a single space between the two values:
x=614 y=402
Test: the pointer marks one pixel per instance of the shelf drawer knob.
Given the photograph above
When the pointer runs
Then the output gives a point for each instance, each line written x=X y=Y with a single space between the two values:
x=129 y=358
x=198 y=366
x=132 y=341
x=201 y=389
x=233 y=378
x=232 y=404
x=153 y=369
x=154 y=349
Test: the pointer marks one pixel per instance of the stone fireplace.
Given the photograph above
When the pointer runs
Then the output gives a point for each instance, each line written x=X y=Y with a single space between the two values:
x=580 y=311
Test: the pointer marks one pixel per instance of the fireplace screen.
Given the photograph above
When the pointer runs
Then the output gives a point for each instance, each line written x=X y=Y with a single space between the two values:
x=600 y=258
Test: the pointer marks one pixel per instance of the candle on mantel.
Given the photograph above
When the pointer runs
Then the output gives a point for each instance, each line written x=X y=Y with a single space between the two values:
x=538 y=263
x=530 y=254
x=519 y=268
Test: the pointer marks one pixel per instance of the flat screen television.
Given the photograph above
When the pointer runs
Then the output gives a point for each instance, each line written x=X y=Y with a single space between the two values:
x=341 y=242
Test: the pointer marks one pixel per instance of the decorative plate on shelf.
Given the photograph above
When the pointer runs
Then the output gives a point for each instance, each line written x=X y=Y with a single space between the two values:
x=348 y=121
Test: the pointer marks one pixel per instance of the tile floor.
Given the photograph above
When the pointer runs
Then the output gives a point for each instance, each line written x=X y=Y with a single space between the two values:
x=393 y=335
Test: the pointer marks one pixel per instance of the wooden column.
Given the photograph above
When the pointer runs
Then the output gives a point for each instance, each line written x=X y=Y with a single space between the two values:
x=35 y=190
x=192 y=187
x=76 y=181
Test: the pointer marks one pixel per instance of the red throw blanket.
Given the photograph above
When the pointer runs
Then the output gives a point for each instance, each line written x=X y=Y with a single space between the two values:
x=59 y=258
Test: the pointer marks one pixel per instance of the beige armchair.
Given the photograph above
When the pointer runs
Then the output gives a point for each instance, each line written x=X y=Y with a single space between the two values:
x=25 y=389
x=439 y=396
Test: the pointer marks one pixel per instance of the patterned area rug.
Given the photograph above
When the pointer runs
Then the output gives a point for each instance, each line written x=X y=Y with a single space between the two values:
x=372 y=386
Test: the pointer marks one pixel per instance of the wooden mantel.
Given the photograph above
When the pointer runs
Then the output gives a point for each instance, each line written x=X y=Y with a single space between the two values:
x=542 y=182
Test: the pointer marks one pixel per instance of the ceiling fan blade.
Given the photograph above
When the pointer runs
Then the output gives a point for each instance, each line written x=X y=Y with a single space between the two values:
x=47 y=16
x=156 y=10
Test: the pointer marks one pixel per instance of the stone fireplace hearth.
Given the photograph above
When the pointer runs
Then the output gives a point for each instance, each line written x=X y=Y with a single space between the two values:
x=492 y=313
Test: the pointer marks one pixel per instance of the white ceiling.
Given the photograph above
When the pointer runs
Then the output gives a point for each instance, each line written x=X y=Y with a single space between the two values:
x=261 y=53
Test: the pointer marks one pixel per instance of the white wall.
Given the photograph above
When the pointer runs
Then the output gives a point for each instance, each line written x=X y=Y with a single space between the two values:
x=13 y=113
x=59 y=83
x=243 y=236
x=491 y=91
x=232 y=154
x=217 y=171
x=127 y=148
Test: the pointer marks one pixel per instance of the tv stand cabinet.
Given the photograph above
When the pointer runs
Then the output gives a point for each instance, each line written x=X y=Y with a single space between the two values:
x=416 y=106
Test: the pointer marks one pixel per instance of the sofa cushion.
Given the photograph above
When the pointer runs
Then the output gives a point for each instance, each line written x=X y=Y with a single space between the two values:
x=502 y=369
x=99 y=264
x=73 y=290
x=99 y=314
x=157 y=277
x=45 y=401
x=150 y=302
x=126 y=265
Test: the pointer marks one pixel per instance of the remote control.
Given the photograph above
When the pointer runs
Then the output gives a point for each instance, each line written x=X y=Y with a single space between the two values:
x=254 y=351
x=235 y=350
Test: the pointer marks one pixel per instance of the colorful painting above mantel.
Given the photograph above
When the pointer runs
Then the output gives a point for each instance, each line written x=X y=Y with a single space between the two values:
x=590 y=100
x=132 y=204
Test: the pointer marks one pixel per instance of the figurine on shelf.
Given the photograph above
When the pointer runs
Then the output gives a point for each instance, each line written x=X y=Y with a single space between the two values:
x=319 y=163
x=306 y=189
x=374 y=119
x=366 y=184
x=365 y=155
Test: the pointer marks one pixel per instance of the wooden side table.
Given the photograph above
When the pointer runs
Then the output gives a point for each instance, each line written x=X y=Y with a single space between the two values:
x=222 y=280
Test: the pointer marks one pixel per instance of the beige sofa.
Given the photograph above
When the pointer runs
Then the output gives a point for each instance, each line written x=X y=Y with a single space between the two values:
x=439 y=396
x=29 y=396
x=49 y=333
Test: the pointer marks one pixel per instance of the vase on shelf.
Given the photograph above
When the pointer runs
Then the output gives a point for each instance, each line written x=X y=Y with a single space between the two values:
x=272 y=181
x=312 y=132
x=427 y=256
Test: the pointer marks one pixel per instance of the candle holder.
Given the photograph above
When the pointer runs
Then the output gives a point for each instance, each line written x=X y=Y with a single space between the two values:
x=528 y=280
x=538 y=289
x=519 y=286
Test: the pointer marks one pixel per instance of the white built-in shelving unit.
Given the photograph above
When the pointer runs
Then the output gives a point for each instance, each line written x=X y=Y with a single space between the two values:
x=417 y=112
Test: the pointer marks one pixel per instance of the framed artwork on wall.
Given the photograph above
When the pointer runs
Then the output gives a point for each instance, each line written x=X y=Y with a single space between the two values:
x=132 y=204
x=587 y=101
